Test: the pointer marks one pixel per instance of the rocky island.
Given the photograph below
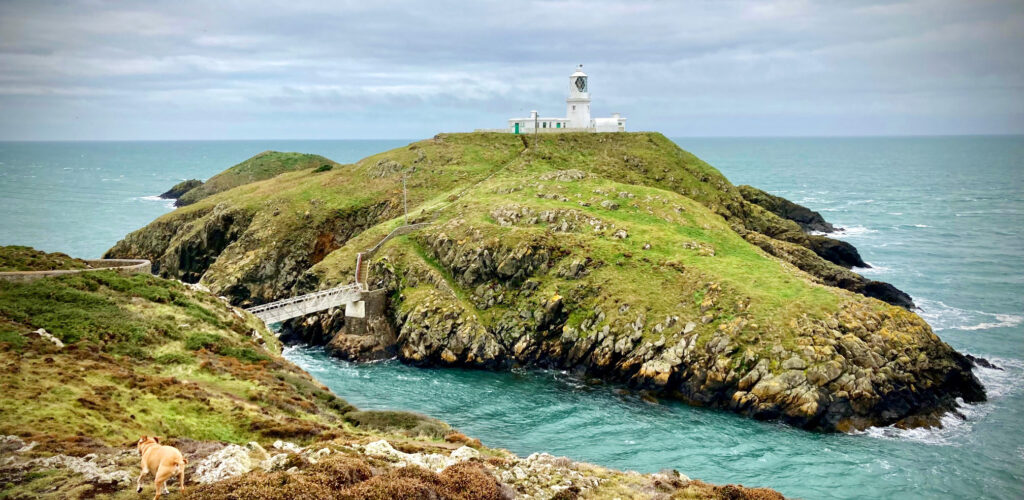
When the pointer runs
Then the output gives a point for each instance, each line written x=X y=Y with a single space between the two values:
x=617 y=256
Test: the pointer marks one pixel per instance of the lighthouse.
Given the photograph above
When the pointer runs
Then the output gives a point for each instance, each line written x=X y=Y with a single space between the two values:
x=577 y=114
x=577 y=105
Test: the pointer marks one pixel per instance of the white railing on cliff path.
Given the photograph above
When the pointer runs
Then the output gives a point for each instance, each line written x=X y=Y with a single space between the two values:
x=363 y=257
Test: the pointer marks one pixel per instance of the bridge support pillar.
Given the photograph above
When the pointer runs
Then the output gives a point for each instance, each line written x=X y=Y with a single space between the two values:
x=368 y=335
x=355 y=309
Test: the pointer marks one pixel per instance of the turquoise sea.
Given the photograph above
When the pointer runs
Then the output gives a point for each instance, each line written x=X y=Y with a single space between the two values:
x=939 y=217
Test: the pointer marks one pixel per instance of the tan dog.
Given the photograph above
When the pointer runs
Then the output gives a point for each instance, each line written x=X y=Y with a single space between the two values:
x=164 y=461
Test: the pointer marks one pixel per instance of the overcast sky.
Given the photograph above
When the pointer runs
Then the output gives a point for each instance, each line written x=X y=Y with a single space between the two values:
x=379 y=69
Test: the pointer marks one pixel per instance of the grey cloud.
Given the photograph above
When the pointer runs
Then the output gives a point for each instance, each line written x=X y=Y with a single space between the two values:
x=108 y=70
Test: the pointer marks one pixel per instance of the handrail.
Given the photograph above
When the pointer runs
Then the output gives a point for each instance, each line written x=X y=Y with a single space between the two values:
x=352 y=287
x=361 y=257
x=392 y=234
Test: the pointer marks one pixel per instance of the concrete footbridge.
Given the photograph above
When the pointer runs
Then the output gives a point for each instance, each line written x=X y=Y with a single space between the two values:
x=348 y=295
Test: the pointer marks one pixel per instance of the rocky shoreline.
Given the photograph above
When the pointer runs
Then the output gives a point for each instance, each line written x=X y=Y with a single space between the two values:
x=833 y=380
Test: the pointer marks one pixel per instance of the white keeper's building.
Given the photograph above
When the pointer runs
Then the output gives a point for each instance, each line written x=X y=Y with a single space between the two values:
x=577 y=112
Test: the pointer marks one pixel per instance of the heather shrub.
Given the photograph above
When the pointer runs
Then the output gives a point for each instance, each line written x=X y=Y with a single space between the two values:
x=389 y=488
x=338 y=471
x=469 y=481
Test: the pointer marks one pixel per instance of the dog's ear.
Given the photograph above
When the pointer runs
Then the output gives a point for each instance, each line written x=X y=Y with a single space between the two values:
x=156 y=439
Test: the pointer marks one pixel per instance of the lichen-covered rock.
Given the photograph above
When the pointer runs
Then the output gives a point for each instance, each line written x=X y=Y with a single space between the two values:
x=88 y=466
x=230 y=461
x=431 y=461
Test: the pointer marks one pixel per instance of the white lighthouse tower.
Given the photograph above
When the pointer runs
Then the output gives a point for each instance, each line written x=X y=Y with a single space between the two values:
x=577 y=114
x=577 y=106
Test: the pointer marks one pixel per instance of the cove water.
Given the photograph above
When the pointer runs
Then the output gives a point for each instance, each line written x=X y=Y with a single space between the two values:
x=938 y=217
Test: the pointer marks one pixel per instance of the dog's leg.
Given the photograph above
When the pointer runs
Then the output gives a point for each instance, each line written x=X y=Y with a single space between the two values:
x=141 y=475
x=162 y=474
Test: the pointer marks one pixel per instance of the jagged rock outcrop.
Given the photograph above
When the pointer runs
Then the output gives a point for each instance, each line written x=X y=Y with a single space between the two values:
x=180 y=189
x=184 y=247
x=222 y=246
x=836 y=251
x=808 y=219
x=829 y=273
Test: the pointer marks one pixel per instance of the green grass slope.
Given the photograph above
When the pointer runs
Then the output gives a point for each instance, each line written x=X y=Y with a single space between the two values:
x=262 y=166
x=22 y=258
x=144 y=355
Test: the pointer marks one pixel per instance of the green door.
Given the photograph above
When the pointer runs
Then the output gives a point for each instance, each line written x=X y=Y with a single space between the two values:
x=517 y=127
x=558 y=125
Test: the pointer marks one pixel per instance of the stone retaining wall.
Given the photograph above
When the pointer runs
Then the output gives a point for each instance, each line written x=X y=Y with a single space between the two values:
x=120 y=265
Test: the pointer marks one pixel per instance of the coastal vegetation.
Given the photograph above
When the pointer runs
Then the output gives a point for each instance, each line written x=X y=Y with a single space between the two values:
x=89 y=362
x=616 y=256
x=262 y=166
x=22 y=258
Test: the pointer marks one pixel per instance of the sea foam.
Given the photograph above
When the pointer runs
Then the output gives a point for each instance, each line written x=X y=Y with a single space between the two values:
x=998 y=385
x=168 y=203
x=942 y=316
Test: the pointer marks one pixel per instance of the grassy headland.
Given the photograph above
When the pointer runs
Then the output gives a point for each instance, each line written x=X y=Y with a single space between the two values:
x=262 y=166
x=617 y=255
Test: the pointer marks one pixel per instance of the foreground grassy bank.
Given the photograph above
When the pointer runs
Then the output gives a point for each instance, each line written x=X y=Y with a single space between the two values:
x=89 y=362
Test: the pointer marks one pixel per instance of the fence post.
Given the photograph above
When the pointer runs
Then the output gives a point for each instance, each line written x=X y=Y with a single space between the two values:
x=359 y=269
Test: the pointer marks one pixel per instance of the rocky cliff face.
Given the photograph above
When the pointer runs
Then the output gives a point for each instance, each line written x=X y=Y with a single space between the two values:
x=618 y=256
x=809 y=220
x=240 y=259
x=843 y=371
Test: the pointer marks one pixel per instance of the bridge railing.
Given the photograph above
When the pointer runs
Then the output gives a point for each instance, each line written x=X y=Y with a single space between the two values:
x=350 y=288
